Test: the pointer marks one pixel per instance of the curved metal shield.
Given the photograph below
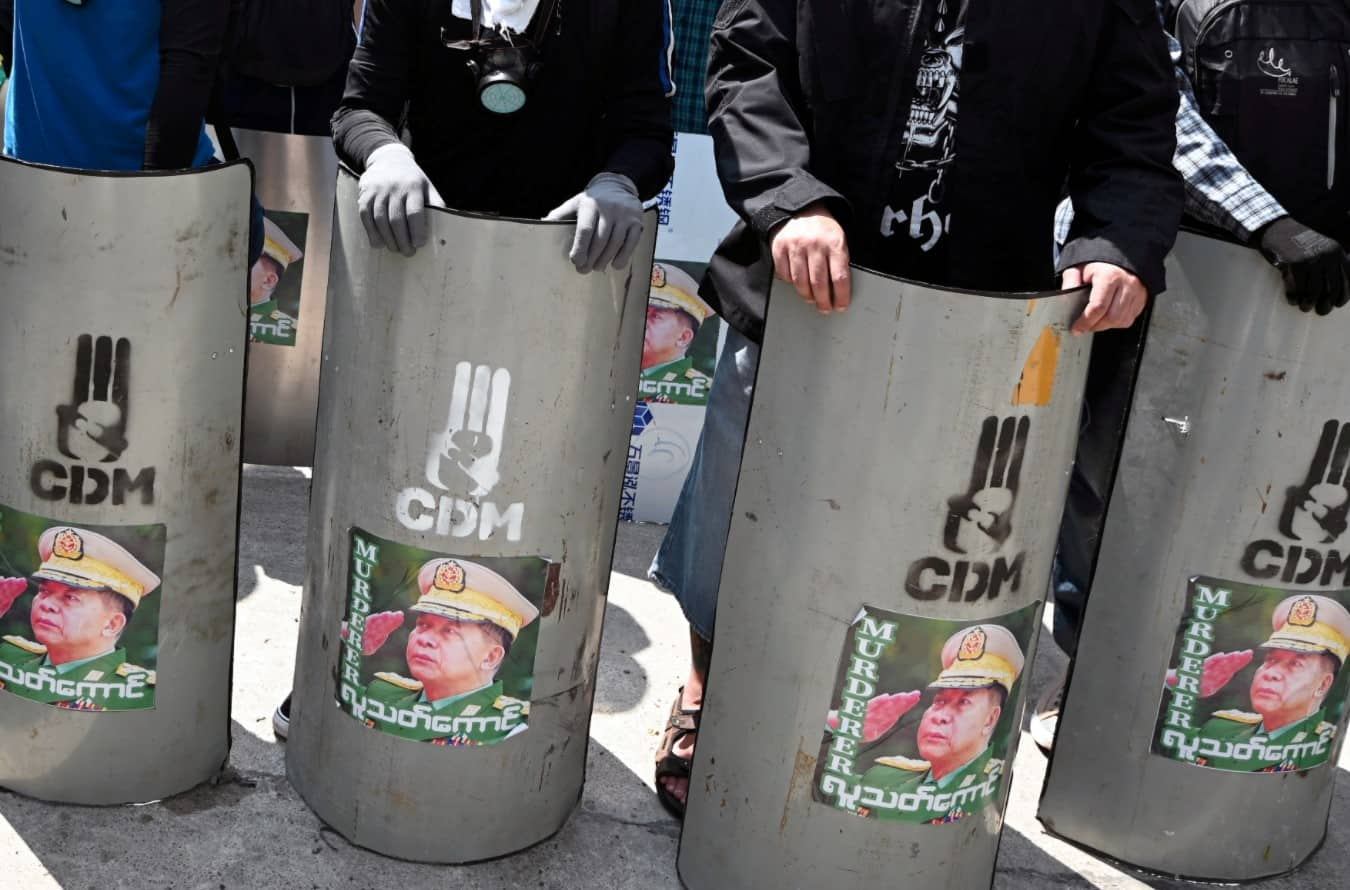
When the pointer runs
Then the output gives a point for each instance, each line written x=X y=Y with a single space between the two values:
x=1225 y=561
x=473 y=431
x=297 y=176
x=122 y=365
x=895 y=520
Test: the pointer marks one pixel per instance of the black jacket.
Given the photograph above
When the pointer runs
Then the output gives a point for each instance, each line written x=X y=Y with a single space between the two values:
x=807 y=101
x=599 y=103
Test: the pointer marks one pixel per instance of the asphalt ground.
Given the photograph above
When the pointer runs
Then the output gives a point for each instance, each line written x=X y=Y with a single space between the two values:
x=251 y=830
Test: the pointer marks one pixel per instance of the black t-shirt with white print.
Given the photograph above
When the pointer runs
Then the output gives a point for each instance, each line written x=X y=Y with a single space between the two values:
x=917 y=217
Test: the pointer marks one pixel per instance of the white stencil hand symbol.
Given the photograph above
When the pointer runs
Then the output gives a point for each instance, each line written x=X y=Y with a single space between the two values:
x=464 y=459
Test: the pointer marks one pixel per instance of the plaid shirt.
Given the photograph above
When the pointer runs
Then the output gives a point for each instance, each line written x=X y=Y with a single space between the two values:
x=1219 y=190
x=693 y=31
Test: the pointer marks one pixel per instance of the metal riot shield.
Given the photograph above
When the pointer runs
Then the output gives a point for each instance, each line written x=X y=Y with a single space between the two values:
x=287 y=293
x=474 y=421
x=121 y=373
x=1206 y=706
x=895 y=520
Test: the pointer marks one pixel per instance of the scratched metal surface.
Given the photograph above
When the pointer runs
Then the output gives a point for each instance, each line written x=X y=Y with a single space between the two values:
x=296 y=174
x=1257 y=382
x=863 y=426
x=502 y=294
x=160 y=260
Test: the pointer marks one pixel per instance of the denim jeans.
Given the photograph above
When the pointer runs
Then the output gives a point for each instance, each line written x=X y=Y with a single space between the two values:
x=689 y=563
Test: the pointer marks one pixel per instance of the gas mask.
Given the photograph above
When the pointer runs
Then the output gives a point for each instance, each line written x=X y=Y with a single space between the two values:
x=503 y=63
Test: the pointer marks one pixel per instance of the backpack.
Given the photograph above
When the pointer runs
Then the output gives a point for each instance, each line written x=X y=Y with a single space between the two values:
x=1272 y=77
x=296 y=43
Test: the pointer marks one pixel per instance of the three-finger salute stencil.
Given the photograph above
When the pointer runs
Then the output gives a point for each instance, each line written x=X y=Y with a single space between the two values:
x=1317 y=511
x=93 y=426
x=463 y=463
x=979 y=562
x=464 y=457
x=979 y=520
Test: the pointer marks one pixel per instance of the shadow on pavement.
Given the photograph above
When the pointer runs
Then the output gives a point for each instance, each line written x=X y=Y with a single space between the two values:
x=622 y=681
x=637 y=544
x=1023 y=864
x=276 y=502
x=251 y=830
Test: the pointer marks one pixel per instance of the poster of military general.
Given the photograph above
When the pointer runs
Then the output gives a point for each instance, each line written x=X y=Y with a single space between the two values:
x=923 y=716
x=440 y=648
x=1255 y=683
x=679 y=346
x=79 y=612
x=276 y=279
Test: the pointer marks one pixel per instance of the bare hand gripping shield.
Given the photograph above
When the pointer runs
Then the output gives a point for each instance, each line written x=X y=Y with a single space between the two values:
x=474 y=419
x=121 y=375
x=895 y=521
x=1207 y=706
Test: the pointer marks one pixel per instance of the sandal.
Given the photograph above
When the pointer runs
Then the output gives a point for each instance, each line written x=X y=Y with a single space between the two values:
x=669 y=765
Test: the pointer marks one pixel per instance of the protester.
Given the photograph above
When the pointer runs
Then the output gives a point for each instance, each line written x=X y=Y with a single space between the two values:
x=116 y=86
x=572 y=123
x=1222 y=196
x=837 y=140
x=288 y=64
x=577 y=125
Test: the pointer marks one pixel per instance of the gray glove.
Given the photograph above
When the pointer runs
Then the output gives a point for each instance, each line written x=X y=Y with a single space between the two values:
x=609 y=222
x=393 y=196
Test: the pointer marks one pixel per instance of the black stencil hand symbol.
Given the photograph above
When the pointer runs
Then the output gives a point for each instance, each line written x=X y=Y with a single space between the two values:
x=93 y=426
x=1317 y=512
x=980 y=520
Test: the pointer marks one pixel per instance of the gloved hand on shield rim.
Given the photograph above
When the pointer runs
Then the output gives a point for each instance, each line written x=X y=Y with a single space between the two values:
x=393 y=195
x=1314 y=266
x=609 y=222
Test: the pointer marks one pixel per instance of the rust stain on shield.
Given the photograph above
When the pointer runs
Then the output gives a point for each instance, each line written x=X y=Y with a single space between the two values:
x=802 y=771
x=1036 y=386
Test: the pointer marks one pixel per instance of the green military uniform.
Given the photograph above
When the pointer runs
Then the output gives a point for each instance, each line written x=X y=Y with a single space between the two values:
x=105 y=683
x=86 y=561
x=454 y=590
x=903 y=789
x=916 y=796
x=678 y=382
x=1244 y=745
x=1237 y=740
x=273 y=325
x=477 y=718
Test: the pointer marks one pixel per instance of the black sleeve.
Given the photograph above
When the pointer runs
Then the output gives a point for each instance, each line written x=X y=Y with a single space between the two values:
x=637 y=127
x=1127 y=195
x=191 y=38
x=757 y=115
x=7 y=34
x=377 y=81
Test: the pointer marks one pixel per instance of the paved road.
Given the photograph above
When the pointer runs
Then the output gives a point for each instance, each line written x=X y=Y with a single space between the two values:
x=253 y=831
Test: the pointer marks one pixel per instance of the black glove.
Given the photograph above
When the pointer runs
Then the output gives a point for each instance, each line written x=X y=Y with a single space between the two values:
x=1312 y=264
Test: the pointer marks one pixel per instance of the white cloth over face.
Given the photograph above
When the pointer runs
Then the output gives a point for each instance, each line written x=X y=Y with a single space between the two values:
x=510 y=15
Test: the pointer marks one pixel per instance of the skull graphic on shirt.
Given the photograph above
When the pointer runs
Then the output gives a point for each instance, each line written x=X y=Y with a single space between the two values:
x=932 y=114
